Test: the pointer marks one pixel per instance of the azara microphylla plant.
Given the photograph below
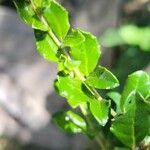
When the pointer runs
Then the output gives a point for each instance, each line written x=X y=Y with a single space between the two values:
x=117 y=121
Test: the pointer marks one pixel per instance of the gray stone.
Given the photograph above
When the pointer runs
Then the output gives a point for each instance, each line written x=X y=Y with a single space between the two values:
x=97 y=16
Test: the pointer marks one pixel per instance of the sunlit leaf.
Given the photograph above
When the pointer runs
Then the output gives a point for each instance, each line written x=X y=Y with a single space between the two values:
x=88 y=52
x=116 y=97
x=70 y=122
x=136 y=82
x=71 y=88
x=100 y=110
x=102 y=78
x=27 y=14
x=57 y=18
x=46 y=46
x=131 y=127
x=74 y=38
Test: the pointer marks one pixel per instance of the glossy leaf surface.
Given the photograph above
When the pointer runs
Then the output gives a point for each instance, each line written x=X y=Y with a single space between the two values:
x=102 y=78
x=100 y=110
x=45 y=45
x=116 y=97
x=57 y=18
x=131 y=127
x=136 y=82
x=88 y=52
x=70 y=122
x=27 y=14
x=74 y=38
x=70 y=65
x=71 y=88
x=42 y=3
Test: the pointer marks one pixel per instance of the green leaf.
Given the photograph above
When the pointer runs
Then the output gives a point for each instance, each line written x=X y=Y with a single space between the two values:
x=70 y=122
x=67 y=65
x=42 y=3
x=100 y=110
x=102 y=78
x=28 y=15
x=45 y=45
x=57 y=18
x=131 y=127
x=116 y=97
x=87 y=52
x=71 y=88
x=71 y=64
x=38 y=3
x=136 y=82
x=74 y=38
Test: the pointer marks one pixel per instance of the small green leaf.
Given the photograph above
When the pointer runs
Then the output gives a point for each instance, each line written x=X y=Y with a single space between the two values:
x=88 y=52
x=70 y=122
x=67 y=65
x=38 y=3
x=28 y=15
x=100 y=110
x=76 y=119
x=116 y=97
x=136 y=82
x=71 y=88
x=45 y=45
x=102 y=78
x=42 y=3
x=71 y=64
x=131 y=127
x=74 y=38
x=57 y=18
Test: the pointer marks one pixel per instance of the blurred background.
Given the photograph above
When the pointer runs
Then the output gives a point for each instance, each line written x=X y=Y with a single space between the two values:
x=27 y=97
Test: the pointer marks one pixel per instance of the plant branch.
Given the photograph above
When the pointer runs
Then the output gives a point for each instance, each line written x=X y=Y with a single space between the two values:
x=76 y=72
x=51 y=34
x=58 y=43
x=100 y=143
